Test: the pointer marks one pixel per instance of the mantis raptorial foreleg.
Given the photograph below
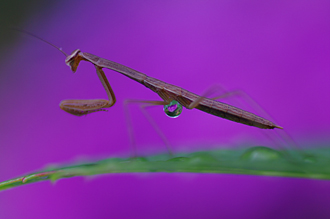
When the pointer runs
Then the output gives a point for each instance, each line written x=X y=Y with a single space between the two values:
x=84 y=107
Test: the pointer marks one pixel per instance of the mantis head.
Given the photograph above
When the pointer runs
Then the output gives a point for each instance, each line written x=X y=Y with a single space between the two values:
x=73 y=60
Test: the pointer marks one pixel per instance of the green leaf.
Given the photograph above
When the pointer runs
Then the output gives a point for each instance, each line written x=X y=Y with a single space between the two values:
x=313 y=163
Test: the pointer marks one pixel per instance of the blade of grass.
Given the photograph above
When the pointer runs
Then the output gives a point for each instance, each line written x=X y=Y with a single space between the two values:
x=314 y=164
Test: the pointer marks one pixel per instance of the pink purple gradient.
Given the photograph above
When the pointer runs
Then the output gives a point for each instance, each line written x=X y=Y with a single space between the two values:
x=278 y=52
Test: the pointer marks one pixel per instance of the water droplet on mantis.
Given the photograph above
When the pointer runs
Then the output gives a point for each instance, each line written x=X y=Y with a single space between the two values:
x=173 y=109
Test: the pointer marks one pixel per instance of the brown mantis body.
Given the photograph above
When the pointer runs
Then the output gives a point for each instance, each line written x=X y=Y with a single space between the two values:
x=166 y=91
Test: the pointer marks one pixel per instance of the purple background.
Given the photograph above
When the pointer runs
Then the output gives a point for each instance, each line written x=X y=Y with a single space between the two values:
x=278 y=52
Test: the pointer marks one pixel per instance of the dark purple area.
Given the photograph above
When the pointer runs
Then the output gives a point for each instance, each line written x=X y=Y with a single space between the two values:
x=277 y=52
x=172 y=108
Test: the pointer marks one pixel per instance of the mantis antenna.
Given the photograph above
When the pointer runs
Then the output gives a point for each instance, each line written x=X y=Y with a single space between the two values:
x=31 y=34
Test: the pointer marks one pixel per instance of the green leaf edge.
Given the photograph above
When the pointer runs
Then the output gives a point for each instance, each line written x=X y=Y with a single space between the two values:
x=312 y=164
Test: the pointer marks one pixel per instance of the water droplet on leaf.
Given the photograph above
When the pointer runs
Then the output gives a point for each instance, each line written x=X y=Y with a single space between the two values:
x=261 y=153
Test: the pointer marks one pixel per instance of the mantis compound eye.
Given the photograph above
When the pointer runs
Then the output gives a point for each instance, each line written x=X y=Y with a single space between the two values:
x=173 y=109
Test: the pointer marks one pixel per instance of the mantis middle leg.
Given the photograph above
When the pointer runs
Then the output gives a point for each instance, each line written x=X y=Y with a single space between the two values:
x=143 y=105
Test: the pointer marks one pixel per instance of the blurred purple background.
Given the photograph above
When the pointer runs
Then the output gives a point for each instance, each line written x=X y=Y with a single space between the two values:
x=278 y=52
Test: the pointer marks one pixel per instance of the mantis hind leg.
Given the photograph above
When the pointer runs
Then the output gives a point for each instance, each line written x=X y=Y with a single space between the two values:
x=284 y=136
x=143 y=104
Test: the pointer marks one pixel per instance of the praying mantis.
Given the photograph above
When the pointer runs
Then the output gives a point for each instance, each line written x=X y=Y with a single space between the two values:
x=174 y=98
